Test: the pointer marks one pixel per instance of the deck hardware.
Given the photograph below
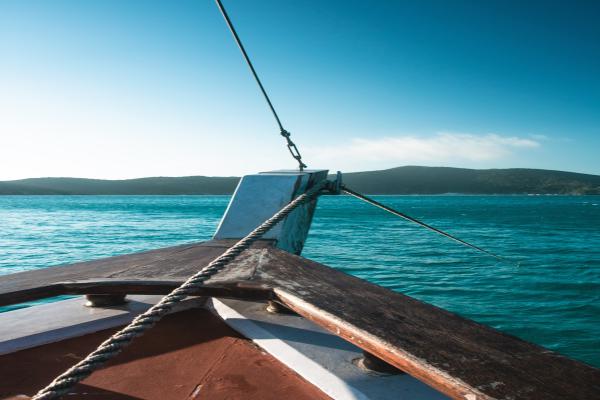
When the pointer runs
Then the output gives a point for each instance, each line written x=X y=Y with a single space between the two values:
x=258 y=196
x=104 y=300
x=335 y=187
x=370 y=362
x=274 y=307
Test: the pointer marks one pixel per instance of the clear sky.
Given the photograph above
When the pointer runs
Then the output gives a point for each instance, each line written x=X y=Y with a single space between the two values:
x=120 y=89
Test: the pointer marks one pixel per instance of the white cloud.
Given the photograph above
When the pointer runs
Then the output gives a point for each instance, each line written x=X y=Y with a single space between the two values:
x=438 y=149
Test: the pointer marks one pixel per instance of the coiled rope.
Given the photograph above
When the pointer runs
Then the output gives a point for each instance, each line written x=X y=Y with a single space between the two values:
x=115 y=344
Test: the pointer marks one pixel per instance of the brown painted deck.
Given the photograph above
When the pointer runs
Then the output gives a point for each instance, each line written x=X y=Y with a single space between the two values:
x=457 y=356
x=188 y=355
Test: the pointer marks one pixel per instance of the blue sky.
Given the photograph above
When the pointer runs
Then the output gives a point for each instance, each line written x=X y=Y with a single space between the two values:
x=120 y=89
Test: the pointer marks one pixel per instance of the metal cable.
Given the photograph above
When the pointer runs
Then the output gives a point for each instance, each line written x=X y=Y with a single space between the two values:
x=113 y=345
x=290 y=145
x=416 y=221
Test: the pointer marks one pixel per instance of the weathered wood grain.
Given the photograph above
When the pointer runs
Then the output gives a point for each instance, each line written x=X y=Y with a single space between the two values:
x=172 y=263
x=231 y=290
x=459 y=357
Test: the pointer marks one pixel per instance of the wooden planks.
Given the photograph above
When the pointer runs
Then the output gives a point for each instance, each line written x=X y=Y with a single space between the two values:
x=457 y=356
x=169 y=264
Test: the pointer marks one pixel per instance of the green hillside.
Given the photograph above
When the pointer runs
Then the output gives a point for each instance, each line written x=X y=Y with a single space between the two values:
x=438 y=180
x=401 y=180
x=141 y=186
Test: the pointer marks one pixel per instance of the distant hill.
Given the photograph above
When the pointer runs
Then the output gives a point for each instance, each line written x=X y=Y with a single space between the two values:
x=141 y=186
x=438 y=180
x=401 y=180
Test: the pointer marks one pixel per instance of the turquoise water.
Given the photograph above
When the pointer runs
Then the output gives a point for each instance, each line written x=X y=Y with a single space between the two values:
x=552 y=298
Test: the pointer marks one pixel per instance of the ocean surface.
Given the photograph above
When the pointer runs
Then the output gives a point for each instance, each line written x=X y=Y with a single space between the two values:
x=549 y=294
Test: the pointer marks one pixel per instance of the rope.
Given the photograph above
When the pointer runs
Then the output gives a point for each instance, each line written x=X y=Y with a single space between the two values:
x=290 y=145
x=416 y=221
x=113 y=345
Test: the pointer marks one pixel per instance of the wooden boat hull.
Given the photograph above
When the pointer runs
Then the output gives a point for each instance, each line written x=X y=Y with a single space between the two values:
x=456 y=356
x=191 y=354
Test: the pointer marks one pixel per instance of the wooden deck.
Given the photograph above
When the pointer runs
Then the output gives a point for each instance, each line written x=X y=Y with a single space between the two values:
x=459 y=357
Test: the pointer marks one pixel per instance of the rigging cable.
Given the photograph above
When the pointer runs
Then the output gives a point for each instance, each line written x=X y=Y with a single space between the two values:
x=290 y=145
x=375 y=203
